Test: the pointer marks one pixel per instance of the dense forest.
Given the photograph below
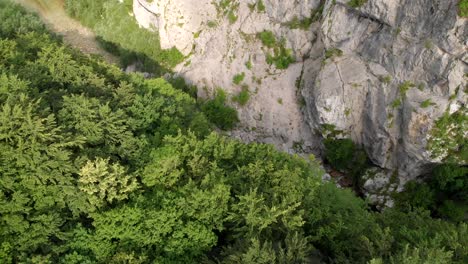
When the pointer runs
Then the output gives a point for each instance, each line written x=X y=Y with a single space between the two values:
x=99 y=166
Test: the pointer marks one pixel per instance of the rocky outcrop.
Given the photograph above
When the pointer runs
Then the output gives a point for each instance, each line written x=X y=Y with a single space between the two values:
x=378 y=187
x=403 y=66
x=381 y=73
x=221 y=41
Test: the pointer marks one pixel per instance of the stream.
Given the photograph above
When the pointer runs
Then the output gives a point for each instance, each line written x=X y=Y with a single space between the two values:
x=53 y=14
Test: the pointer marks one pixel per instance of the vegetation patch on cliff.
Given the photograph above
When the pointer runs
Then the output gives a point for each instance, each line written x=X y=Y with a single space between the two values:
x=357 y=3
x=219 y=113
x=463 y=8
x=447 y=140
x=227 y=8
x=243 y=96
x=281 y=57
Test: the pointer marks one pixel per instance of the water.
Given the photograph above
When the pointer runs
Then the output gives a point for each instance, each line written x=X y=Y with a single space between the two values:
x=52 y=12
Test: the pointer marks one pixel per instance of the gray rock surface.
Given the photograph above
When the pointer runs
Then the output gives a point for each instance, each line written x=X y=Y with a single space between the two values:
x=379 y=185
x=384 y=44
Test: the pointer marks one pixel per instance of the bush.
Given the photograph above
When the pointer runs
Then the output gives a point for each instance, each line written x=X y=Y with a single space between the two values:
x=445 y=193
x=452 y=210
x=218 y=113
x=243 y=97
x=426 y=103
x=452 y=180
x=333 y=52
x=232 y=17
x=463 y=8
x=340 y=152
x=212 y=24
x=297 y=23
x=281 y=56
x=416 y=195
x=87 y=11
x=356 y=3
x=180 y=84
x=447 y=139
x=238 y=78
x=260 y=6
x=405 y=86
x=396 y=103
x=22 y=22
x=228 y=8
x=268 y=38
x=345 y=156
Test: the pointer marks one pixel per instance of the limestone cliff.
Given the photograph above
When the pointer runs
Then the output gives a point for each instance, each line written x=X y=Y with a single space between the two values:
x=382 y=72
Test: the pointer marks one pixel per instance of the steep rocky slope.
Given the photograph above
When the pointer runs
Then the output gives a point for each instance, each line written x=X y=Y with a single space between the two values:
x=382 y=72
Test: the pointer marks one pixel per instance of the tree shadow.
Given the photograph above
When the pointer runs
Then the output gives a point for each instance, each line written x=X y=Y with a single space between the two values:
x=138 y=61
x=142 y=63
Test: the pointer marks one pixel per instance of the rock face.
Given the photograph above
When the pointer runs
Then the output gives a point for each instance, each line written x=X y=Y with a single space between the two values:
x=383 y=73
x=378 y=186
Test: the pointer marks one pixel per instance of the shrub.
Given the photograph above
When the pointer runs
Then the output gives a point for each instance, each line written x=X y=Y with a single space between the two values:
x=218 y=113
x=243 y=97
x=228 y=8
x=356 y=3
x=21 y=23
x=248 y=64
x=212 y=24
x=426 y=103
x=447 y=140
x=340 y=152
x=421 y=86
x=232 y=17
x=405 y=86
x=333 y=52
x=268 y=38
x=281 y=58
x=87 y=11
x=445 y=193
x=297 y=23
x=451 y=179
x=396 y=103
x=180 y=84
x=463 y=8
x=387 y=79
x=238 y=78
x=428 y=44
x=416 y=195
x=452 y=210
x=260 y=6
x=417 y=229
x=317 y=13
x=344 y=155
x=200 y=125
